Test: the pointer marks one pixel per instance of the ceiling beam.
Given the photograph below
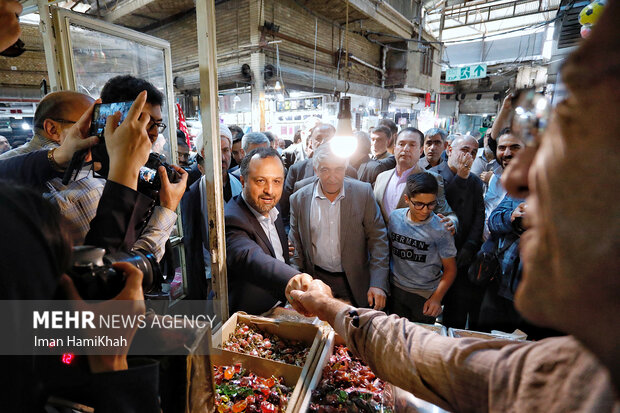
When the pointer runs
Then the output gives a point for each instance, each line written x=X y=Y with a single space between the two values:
x=128 y=7
x=386 y=16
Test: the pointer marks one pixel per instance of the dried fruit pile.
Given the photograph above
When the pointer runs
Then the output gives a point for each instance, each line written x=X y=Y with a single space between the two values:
x=238 y=390
x=348 y=385
x=256 y=343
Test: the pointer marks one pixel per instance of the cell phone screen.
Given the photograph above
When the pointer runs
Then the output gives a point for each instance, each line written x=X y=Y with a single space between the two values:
x=101 y=113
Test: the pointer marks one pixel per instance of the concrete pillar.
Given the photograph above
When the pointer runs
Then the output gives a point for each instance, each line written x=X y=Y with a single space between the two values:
x=257 y=64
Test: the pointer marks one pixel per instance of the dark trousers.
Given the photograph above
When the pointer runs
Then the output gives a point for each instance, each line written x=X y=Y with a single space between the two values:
x=462 y=301
x=408 y=305
x=499 y=313
x=338 y=282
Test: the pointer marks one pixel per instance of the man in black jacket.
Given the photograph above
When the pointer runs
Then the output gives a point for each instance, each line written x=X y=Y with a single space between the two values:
x=464 y=195
x=257 y=253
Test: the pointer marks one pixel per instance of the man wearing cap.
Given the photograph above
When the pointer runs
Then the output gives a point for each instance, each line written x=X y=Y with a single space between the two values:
x=195 y=216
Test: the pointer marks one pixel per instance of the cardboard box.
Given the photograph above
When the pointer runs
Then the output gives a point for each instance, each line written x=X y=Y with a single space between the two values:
x=330 y=342
x=265 y=368
x=458 y=333
x=306 y=333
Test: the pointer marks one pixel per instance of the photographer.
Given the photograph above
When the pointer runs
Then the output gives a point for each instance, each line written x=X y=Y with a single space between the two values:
x=79 y=199
x=33 y=228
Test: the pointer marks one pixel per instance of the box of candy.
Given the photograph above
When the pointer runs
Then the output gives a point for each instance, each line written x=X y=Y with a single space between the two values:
x=343 y=383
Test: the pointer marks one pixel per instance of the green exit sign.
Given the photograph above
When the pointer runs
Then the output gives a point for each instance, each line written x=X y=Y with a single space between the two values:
x=466 y=72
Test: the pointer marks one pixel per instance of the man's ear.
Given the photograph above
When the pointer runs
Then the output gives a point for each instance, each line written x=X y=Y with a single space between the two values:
x=242 y=180
x=406 y=199
x=52 y=130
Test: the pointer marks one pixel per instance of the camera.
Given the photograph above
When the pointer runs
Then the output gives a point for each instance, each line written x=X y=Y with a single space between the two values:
x=96 y=279
x=149 y=179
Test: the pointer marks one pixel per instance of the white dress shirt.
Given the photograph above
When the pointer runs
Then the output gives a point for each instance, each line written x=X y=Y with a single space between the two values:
x=269 y=226
x=394 y=189
x=325 y=230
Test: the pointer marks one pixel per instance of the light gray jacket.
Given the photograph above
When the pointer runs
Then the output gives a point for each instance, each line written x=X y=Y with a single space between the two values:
x=363 y=237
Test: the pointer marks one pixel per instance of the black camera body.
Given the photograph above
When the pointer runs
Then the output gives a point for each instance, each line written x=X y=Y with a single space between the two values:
x=149 y=176
x=96 y=279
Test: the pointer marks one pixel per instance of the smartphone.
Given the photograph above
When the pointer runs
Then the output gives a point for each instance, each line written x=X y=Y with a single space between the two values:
x=101 y=113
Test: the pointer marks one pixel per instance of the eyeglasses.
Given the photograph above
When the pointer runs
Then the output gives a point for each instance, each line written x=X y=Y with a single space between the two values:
x=420 y=205
x=161 y=127
x=531 y=115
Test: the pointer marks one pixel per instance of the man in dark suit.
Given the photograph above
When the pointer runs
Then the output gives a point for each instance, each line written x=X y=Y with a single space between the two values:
x=322 y=133
x=464 y=195
x=339 y=234
x=257 y=254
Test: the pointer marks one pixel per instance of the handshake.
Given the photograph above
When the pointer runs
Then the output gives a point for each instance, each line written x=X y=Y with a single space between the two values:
x=311 y=297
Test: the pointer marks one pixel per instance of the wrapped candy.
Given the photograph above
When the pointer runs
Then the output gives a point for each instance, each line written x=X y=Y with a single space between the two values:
x=238 y=390
x=269 y=346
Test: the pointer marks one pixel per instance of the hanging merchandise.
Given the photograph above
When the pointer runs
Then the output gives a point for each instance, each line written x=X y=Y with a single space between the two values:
x=183 y=124
x=589 y=15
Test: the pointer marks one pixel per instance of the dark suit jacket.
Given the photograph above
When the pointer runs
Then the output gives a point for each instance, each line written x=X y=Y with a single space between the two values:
x=297 y=172
x=121 y=216
x=256 y=278
x=465 y=198
x=369 y=171
x=31 y=168
x=194 y=235
x=364 y=247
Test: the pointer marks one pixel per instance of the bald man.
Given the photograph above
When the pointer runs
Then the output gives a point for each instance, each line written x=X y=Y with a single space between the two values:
x=464 y=195
x=56 y=113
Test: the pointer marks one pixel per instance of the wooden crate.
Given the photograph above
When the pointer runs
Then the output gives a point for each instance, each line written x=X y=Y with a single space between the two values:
x=309 y=334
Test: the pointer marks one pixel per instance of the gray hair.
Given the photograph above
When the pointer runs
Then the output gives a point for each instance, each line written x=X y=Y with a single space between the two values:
x=324 y=153
x=253 y=138
x=450 y=138
x=436 y=131
x=363 y=141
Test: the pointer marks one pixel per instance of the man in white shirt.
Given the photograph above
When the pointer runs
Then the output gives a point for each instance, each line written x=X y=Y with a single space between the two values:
x=339 y=234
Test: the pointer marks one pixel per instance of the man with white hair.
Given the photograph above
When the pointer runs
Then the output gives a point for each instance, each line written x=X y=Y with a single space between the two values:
x=348 y=251
x=195 y=217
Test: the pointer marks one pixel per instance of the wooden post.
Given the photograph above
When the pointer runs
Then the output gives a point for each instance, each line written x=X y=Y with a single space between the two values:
x=207 y=62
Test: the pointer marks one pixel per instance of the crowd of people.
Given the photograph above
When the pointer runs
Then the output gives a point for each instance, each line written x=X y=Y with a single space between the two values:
x=400 y=226
x=396 y=226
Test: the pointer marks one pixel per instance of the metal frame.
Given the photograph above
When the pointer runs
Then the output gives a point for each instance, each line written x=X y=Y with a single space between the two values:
x=207 y=66
x=65 y=74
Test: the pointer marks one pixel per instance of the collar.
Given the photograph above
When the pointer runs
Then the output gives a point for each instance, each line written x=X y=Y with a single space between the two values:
x=406 y=173
x=273 y=212
x=318 y=192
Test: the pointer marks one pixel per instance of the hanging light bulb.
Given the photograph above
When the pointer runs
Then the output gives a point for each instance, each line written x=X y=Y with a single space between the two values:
x=344 y=144
x=278 y=86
